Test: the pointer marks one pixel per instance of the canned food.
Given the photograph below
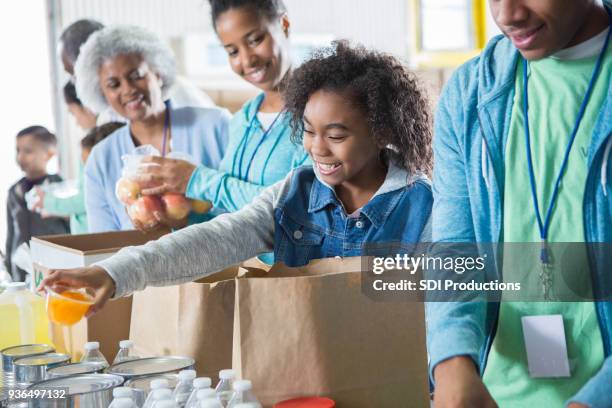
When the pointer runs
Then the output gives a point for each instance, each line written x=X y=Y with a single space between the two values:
x=151 y=366
x=11 y=354
x=84 y=367
x=86 y=390
x=34 y=368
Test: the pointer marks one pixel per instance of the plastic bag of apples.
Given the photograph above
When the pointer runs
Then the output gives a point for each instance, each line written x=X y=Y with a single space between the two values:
x=142 y=208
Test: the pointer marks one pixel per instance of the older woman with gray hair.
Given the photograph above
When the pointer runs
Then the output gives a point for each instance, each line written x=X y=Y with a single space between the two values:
x=130 y=70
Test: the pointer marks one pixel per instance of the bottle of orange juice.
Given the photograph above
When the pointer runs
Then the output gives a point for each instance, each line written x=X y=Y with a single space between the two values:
x=23 y=317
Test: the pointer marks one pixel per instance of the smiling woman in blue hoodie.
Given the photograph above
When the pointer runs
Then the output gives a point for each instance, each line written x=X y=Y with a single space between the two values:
x=534 y=109
x=255 y=35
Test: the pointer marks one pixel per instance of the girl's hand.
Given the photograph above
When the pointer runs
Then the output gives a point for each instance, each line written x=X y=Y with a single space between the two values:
x=458 y=385
x=93 y=277
x=167 y=175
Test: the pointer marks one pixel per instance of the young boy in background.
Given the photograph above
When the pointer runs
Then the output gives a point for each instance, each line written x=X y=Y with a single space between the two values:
x=35 y=147
x=73 y=206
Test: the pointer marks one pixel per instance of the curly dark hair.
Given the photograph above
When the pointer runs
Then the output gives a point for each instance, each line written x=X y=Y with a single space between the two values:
x=396 y=107
x=266 y=8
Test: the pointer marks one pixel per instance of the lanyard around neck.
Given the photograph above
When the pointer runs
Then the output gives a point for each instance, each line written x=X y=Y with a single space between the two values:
x=544 y=225
x=244 y=145
x=166 y=128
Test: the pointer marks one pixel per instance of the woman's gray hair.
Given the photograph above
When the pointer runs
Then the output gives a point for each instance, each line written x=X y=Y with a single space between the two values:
x=116 y=40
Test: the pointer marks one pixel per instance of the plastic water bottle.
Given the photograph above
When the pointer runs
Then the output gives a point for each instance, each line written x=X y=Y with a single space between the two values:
x=122 y=392
x=200 y=383
x=157 y=384
x=157 y=395
x=122 y=403
x=225 y=388
x=92 y=353
x=184 y=387
x=242 y=393
x=210 y=403
x=124 y=352
x=205 y=394
x=167 y=403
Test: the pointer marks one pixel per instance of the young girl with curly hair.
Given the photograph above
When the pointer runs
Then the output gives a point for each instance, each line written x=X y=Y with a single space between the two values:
x=365 y=124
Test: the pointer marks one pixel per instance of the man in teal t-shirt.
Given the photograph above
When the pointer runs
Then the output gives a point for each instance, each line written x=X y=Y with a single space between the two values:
x=486 y=186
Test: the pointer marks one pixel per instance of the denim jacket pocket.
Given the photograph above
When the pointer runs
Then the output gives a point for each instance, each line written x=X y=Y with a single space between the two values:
x=299 y=243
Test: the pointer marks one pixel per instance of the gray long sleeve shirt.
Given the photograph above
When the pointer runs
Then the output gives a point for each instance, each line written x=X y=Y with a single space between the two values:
x=198 y=250
x=202 y=249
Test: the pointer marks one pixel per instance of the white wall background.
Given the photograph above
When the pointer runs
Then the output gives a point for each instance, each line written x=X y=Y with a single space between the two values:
x=26 y=85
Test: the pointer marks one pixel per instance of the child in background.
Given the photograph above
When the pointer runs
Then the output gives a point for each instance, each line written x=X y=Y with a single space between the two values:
x=35 y=147
x=85 y=118
x=365 y=124
x=73 y=206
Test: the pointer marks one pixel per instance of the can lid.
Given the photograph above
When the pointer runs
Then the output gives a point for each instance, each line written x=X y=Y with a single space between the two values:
x=83 y=367
x=92 y=345
x=42 y=359
x=81 y=384
x=26 y=350
x=242 y=385
x=187 y=375
x=206 y=393
x=306 y=402
x=202 y=382
x=126 y=344
x=227 y=374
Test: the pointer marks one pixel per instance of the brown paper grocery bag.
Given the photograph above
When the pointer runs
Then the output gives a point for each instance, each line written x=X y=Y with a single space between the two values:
x=193 y=319
x=311 y=331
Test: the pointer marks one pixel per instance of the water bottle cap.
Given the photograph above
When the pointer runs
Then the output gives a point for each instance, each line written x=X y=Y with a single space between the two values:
x=122 y=392
x=126 y=344
x=166 y=404
x=159 y=383
x=306 y=402
x=123 y=403
x=15 y=287
x=227 y=374
x=202 y=382
x=206 y=393
x=210 y=403
x=92 y=345
x=242 y=385
x=187 y=375
x=162 y=394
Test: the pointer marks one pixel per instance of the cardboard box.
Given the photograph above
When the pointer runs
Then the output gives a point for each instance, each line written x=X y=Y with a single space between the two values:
x=111 y=324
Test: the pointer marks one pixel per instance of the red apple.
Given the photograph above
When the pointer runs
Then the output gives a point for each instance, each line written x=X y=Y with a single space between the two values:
x=200 y=206
x=142 y=210
x=127 y=190
x=177 y=206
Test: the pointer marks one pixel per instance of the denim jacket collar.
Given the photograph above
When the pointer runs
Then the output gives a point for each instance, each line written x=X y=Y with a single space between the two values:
x=322 y=194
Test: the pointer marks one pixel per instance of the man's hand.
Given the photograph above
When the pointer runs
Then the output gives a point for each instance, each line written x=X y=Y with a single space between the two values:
x=458 y=385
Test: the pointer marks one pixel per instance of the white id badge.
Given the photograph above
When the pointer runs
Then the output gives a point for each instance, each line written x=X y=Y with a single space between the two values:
x=546 y=347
